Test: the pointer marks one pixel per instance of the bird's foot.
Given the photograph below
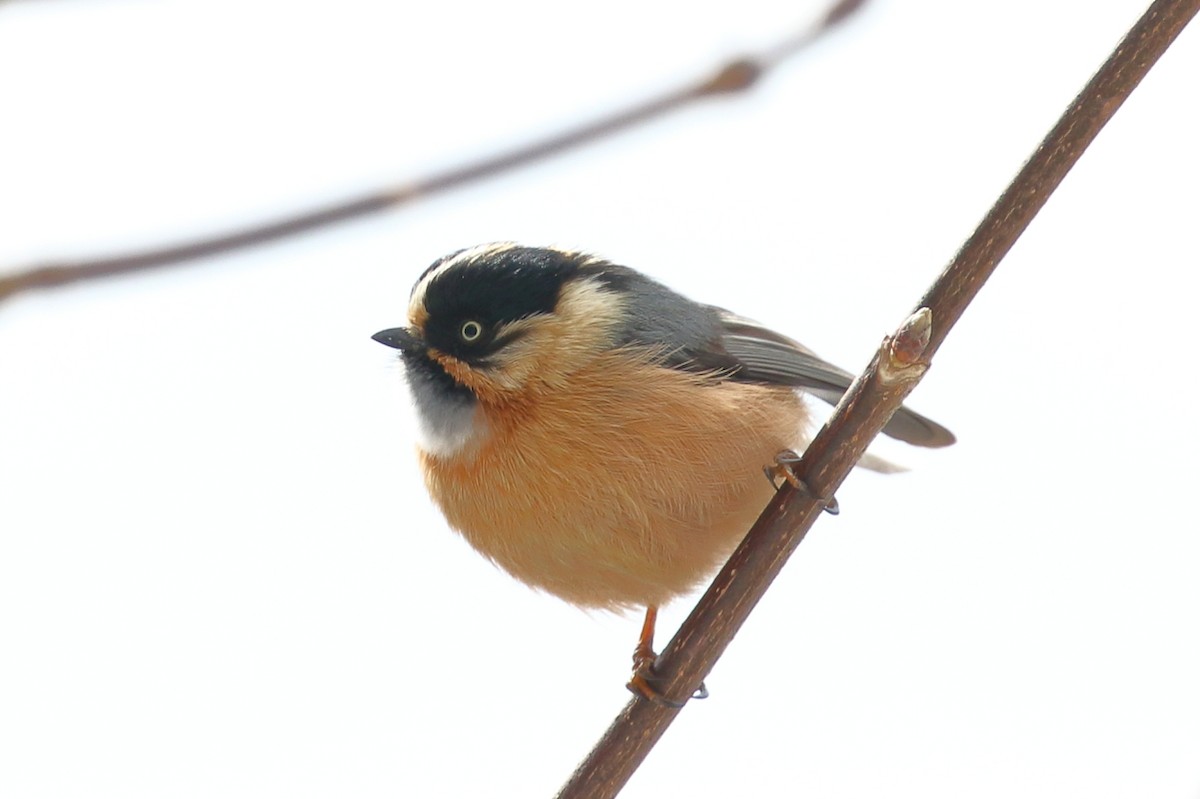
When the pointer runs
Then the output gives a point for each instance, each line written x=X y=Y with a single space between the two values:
x=784 y=468
x=643 y=682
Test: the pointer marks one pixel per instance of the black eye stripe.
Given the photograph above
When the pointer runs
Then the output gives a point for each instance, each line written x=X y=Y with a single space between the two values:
x=508 y=338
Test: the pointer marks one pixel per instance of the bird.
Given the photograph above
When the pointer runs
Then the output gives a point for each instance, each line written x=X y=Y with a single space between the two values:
x=597 y=435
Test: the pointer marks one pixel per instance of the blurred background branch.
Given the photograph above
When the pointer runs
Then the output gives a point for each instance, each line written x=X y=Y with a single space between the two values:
x=735 y=76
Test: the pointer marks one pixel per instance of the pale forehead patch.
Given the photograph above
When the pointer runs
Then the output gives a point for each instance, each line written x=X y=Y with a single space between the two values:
x=417 y=315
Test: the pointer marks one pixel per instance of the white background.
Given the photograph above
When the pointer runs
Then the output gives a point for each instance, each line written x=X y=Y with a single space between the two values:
x=219 y=573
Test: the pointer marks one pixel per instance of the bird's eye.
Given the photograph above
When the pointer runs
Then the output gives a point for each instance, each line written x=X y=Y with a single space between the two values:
x=470 y=331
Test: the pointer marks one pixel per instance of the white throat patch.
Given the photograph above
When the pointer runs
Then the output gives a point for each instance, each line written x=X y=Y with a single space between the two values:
x=446 y=428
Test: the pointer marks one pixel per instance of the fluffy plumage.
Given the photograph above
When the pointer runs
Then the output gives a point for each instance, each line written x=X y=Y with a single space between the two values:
x=597 y=435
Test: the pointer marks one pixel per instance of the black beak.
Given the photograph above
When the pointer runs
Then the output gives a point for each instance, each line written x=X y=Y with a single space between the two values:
x=400 y=338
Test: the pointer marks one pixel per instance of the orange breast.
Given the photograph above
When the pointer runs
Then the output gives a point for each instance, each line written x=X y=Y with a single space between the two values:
x=618 y=493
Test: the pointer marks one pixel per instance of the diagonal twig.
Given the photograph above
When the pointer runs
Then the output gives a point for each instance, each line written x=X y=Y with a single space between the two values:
x=867 y=406
x=735 y=76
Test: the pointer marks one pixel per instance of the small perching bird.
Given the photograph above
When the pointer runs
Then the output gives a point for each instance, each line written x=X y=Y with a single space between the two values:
x=597 y=435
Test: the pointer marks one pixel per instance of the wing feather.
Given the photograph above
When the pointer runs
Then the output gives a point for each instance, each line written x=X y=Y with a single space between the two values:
x=705 y=338
x=765 y=356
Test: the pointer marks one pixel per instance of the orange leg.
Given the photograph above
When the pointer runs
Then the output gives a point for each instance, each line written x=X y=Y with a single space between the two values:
x=644 y=656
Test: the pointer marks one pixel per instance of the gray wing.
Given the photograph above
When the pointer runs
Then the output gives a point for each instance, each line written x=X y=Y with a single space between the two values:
x=765 y=356
x=704 y=338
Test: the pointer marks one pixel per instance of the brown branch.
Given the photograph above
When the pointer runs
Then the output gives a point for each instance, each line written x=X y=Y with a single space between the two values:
x=867 y=406
x=736 y=76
